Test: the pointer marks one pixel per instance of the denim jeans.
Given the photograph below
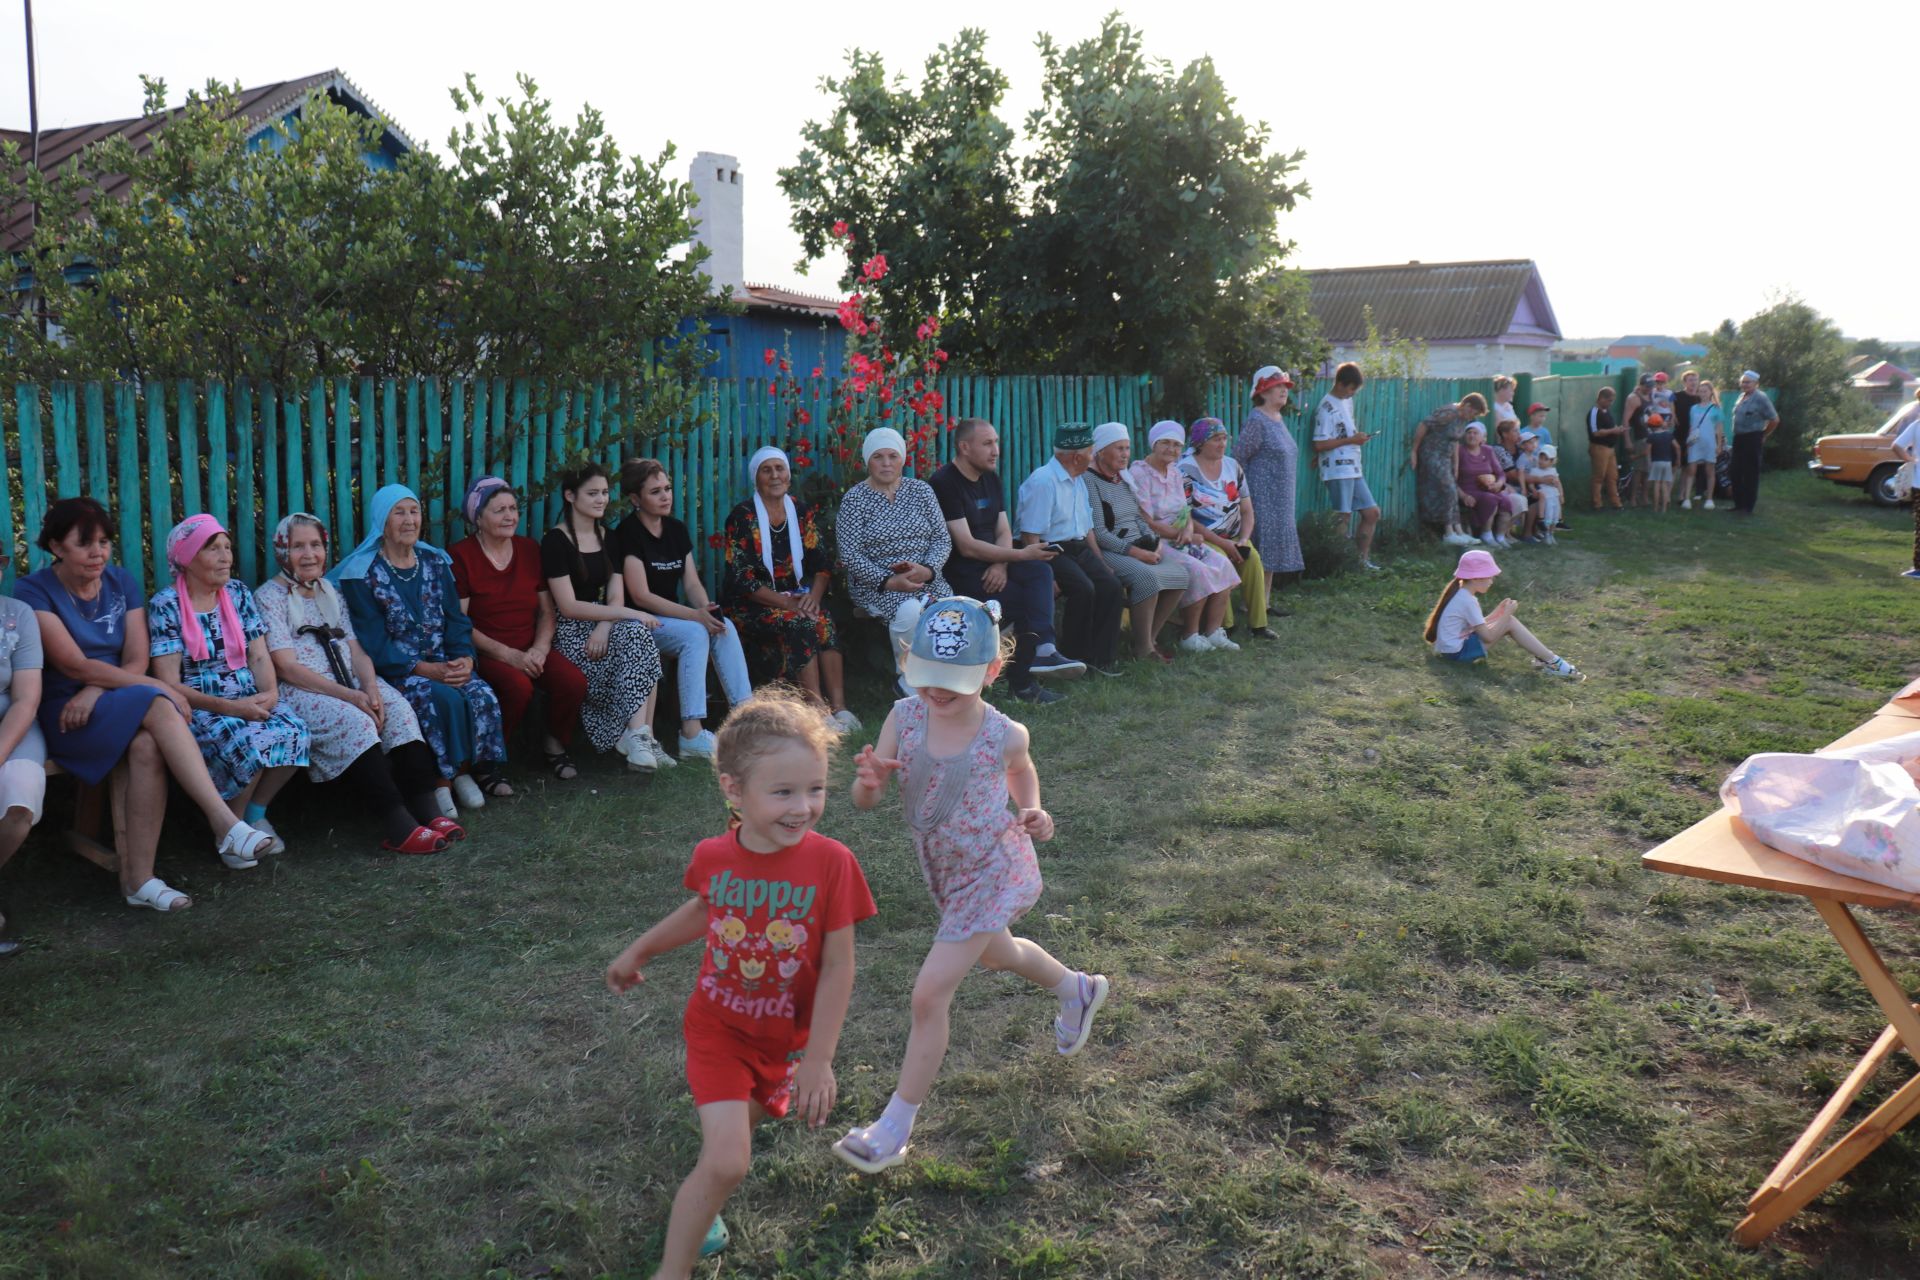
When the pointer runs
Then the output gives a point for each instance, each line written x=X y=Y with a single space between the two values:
x=689 y=642
x=1027 y=601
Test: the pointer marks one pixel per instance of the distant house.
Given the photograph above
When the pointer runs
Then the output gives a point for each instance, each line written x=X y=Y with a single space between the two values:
x=804 y=327
x=1476 y=318
x=1884 y=385
x=263 y=107
x=1631 y=346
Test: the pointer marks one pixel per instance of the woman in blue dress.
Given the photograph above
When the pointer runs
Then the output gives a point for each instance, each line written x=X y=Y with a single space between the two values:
x=1272 y=462
x=209 y=644
x=103 y=716
x=406 y=612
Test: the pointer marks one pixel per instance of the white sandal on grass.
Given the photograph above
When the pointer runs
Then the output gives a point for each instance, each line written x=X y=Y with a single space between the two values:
x=242 y=846
x=867 y=1150
x=156 y=893
x=468 y=792
x=274 y=843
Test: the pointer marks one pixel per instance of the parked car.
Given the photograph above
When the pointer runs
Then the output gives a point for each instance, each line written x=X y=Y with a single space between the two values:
x=1865 y=459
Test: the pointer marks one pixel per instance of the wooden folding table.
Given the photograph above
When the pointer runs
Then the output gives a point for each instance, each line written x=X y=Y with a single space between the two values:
x=1722 y=848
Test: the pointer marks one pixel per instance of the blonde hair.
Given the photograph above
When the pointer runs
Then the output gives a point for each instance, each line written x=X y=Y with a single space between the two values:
x=772 y=717
x=1502 y=382
x=1706 y=384
x=1432 y=632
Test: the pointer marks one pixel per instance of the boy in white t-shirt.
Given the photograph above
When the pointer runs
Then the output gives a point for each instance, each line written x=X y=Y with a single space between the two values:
x=1337 y=441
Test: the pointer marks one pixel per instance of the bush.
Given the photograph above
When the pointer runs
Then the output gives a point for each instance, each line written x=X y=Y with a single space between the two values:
x=1325 y=548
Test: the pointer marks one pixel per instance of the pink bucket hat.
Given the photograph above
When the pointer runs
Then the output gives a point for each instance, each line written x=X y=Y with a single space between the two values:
x=1476 y=564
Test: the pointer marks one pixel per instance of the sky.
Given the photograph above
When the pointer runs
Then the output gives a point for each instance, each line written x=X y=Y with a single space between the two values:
x=1667 y=165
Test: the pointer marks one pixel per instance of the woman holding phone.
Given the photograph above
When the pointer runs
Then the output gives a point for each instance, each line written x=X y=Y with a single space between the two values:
x=893 y=540
x=655 y=552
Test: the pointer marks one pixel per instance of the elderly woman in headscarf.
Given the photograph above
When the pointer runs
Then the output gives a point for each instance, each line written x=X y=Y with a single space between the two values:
x=893 y=541
x=1223 y=510
x=208 y=643
x=406 y=613
x=503 y=590
x=1482 y=486
x=1267 y=451
x=1162 y=491
x=1153 y=574
x=775 y=586
x=362 y=729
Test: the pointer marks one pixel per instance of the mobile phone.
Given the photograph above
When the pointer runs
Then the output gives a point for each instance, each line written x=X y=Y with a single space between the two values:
x=903 y=566
x=1056 y=548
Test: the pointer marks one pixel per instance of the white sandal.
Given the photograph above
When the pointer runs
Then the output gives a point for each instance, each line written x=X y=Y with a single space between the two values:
x=241 y=846
x=156 y=893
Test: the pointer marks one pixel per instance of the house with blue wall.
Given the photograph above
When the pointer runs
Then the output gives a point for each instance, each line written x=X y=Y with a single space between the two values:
x=263 y=108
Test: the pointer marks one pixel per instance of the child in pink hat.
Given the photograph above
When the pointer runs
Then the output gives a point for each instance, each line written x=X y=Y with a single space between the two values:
x=1458 y=630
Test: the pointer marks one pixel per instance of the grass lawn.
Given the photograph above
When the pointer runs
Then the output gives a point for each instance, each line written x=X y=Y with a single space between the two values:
x=1393 y=996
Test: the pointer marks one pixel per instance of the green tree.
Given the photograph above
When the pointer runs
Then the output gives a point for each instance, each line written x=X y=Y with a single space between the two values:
x=923 y=173
x=1388 y=355
x=1152 y=240
x=1801 y=354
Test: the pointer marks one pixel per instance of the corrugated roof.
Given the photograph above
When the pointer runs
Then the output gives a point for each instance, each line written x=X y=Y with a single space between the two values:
x=1884 y=373
x=1431 y=301
x=775 y=298
x=261 y=106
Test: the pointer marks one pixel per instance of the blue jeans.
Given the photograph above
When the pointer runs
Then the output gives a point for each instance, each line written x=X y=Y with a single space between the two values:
x=1027 y=600
x=689 y=642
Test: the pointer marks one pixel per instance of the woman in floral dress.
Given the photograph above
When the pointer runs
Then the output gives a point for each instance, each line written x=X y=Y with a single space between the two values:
x=209 y=643
x=1271 y=459
x=1162 y=491
x=775 y=586
x=362 y=728
x=1431 y=461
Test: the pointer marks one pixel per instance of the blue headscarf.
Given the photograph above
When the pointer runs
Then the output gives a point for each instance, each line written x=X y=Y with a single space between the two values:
x=356 y=562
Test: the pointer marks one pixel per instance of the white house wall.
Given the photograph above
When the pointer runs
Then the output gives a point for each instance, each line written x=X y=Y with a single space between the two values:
x=1479 y=360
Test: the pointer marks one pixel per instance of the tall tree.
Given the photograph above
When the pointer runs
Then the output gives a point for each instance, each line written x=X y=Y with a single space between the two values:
x=1801 y=354
x=1154 y=218
x=921 y=172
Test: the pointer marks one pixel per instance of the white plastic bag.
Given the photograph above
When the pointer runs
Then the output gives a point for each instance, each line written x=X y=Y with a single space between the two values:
x=1855 y=810
x=1903 y=481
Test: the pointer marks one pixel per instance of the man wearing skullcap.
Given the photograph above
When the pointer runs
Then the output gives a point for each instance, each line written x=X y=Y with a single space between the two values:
x=1054 y=510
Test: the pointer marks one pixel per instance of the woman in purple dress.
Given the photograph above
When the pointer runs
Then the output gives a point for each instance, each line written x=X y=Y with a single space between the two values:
x=1271 y=460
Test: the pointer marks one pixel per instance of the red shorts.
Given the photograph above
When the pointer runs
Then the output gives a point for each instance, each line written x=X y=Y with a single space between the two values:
x=725 y=1066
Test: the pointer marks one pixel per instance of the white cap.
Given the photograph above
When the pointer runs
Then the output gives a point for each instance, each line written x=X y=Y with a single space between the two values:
x=882 y=438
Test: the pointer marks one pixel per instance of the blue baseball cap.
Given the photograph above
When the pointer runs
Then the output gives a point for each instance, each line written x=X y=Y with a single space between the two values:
x=957 y=640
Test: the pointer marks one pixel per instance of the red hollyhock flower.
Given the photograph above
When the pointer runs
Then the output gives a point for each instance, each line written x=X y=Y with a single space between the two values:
x=876 y=268
x=816 y=371
x=840 y=228
x=717 y=541
x=772 y=355
x=805 y=420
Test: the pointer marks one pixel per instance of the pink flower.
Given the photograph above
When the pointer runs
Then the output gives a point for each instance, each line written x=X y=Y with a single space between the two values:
x=876 y=268
x=816 y=371
x=772 y=355
x=840 y=228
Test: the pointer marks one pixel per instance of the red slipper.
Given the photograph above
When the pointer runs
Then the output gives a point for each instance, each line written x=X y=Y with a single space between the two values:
x=422 y=840
x=448 y=828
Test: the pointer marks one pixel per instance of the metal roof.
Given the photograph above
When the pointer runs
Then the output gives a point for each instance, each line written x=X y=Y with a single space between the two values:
x=1430 y=301
x=772 y=297
x=260 y=106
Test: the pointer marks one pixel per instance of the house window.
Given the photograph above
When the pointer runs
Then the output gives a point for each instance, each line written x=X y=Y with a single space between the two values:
x=733 y=176
x=719 y=175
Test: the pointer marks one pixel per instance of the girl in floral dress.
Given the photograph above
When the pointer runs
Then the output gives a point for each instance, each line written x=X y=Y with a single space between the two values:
x=962 y=762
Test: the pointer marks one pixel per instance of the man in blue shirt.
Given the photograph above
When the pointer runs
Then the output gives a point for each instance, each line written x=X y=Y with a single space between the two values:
x=1054 y=510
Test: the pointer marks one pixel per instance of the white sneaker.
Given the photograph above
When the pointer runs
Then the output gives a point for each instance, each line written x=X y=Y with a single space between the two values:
x=1370 y=565
x=699 y=746
x=1547 y=537
x=1488 y=538
x=848 y=722
x=639 y=755
x=1196 y=643
x=661 y=756
x=467 y=792
x=1219 y=640
x=1458 y=539
x=1709 y=504
x=1686 y=504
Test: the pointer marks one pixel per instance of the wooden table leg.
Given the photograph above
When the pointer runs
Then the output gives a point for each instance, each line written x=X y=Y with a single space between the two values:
x=1786 y=1192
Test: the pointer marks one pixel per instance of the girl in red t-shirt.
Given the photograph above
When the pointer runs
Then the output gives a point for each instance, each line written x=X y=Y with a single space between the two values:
x=775 y=903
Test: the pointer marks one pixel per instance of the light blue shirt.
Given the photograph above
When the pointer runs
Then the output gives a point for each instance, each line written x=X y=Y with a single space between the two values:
x=1054 y=504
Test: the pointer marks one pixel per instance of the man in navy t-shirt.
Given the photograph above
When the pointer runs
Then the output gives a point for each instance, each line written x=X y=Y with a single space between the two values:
x=986 y=565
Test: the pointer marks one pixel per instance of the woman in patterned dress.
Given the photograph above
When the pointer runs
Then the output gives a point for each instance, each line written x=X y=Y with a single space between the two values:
x=406 y=614
x=1431 y=459
x=1267 y=452
x=1153 y=573
x=775 y=586
x=361 y=727
x=892 y=540
x=1217 y=496
x=208 y=643
x=1162 y=492
x=104 y=718
x=611 y=644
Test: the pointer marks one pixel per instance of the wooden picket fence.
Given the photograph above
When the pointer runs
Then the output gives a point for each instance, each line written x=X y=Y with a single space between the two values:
x=153 y=454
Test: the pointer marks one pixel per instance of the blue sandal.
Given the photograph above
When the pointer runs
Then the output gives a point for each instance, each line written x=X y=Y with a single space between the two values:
x=718 y=1238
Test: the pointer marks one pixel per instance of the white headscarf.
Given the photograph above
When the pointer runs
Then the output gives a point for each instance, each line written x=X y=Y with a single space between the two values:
x=882 y=438
x=760 y=510
x=1167 y=430
x=1108 y=433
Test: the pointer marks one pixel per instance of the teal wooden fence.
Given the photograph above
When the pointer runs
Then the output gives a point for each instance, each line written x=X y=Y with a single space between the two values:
x=249 y=454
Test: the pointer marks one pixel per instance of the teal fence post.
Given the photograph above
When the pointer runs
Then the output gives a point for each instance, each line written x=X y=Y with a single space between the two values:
x=270 y=451
x=126 y=443
x=429 y=438
x=389 y=436
x=421 y=400
x=33 y=477
x=296 y=494
x=368 y=472
x=66 y=440
x=99 y=481
x=159 y=519
x=517 y=434
x=317 y=442
x=245 y=494
x=189 y=437
x=342 y=456
x=217 y=469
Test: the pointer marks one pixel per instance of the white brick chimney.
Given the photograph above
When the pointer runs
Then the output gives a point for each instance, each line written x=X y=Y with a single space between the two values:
x=720 y=220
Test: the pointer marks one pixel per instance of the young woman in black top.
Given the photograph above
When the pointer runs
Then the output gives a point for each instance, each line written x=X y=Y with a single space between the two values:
x=610 y=643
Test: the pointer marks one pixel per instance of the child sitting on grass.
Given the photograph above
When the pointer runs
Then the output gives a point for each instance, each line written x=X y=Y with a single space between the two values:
x=962 y=761
x=776 y=904
x=1458 y=630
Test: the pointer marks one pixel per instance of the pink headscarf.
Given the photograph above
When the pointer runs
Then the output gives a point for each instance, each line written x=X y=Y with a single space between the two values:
x=183 y=544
